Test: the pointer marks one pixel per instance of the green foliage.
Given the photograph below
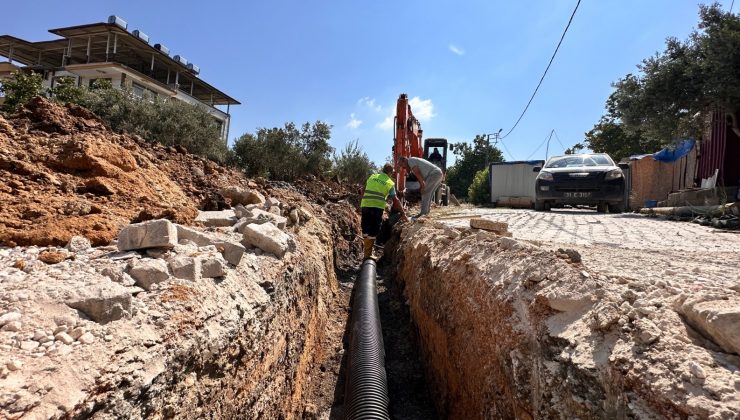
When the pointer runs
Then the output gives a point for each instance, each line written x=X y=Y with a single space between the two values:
x=65 y=90
x=677 y=87
x=19 y=89
x=479 y=192
x=609 y=136
x=471 y=159
x=285 y=153
x=166 y=121
x=352 y=164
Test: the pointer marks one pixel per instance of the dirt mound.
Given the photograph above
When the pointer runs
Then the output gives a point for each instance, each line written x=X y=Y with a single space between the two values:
x=63 y=173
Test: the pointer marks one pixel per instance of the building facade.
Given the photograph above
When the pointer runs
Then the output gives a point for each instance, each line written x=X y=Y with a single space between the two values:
x=87 y=53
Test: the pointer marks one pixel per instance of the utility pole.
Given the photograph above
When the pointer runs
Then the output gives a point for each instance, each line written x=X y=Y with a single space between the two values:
x=496 y=136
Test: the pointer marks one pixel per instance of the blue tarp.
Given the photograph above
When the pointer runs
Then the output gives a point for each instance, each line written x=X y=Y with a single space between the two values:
x=519 y=162
x=670 y=154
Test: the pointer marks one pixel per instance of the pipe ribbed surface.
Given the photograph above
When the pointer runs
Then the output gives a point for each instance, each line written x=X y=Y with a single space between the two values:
x=366 y=392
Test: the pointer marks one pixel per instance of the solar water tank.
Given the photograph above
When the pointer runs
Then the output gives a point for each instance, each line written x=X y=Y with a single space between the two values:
x=115 y=20
x=162 y=48
x=141 y=35
x=181 y=60
x=193 y=68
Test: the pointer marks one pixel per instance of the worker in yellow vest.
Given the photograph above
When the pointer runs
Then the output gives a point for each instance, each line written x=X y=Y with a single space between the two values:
x=378 y=189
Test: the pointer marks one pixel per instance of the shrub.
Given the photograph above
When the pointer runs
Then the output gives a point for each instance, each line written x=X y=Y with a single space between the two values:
x=479 y=192
x=19 y=89
x=352 y=164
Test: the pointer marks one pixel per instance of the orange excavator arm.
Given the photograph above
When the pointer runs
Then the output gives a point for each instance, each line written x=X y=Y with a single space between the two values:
x=407 y=134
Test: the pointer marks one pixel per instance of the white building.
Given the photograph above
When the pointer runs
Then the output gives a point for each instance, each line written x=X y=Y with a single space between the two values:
x=109 y=51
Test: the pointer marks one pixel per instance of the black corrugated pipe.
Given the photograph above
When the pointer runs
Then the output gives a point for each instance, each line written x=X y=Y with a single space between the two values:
x=366 y=393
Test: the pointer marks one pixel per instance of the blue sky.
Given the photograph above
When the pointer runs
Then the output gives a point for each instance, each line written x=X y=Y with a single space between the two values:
x=470 y=66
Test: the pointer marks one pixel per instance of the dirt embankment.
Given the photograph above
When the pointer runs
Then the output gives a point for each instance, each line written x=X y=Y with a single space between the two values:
x=242 y=345
x=63 y=173
x=511 y=330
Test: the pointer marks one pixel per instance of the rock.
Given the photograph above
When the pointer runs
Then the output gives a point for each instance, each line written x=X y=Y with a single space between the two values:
x=87 y=338
x=212 y=267
x=10 y=317
x=64 y=338
x=258 y=216
x=647 y=331
x=77 y=333
x=255 y=197
x=572 y=254
x=157 y=252
x=718 y=320
x=78 y=244
x=697 y=370
x=232 y=252
x=29 y=345
x=293 y=216
x=198 y=238
x=266 y=237
x=275 y=210
x=14 y=365
x=237 y=194
x=148 y=271
x=217 y=218
x=272 y=202
x=53 y=256
x=20 y=264
x=488 y=224
x=150 y=234
x=184 y=267
x=12 y=326
x=304 y=214
x=103 y=302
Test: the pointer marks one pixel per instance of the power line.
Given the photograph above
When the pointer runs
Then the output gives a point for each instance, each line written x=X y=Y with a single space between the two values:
x=507 y=149
x=541 y=144
x=558 y=139
x=546 y=69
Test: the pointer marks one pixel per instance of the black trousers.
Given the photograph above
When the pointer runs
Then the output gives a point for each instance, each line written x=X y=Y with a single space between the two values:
x=372 y=218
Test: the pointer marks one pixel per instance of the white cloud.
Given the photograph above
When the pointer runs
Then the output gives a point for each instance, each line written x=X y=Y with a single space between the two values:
x=353 y=123
x=423 y=110
x=456 y=50
x=370 y=103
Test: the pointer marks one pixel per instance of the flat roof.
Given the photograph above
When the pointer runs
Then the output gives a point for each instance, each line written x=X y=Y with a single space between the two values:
x=134 y=50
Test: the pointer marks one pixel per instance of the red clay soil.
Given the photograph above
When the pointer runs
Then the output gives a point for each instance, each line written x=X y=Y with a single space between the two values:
x=64 y=173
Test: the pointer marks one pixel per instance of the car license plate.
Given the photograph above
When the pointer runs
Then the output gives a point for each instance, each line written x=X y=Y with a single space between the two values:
x=577 y=195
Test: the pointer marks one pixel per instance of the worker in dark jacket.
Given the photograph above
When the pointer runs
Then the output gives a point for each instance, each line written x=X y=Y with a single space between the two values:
x=378 y=189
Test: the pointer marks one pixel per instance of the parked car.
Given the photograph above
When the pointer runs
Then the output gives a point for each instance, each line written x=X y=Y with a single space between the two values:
x=585 y=179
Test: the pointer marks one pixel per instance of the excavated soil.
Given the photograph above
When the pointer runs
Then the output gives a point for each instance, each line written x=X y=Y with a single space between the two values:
x=63 y=173
x=509 y=329
x=265 y=340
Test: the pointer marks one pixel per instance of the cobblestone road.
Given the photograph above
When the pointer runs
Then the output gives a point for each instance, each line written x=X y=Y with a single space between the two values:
x=627 y=245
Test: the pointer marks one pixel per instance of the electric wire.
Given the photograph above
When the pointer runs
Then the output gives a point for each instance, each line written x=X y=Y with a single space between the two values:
x=558 y=139
x=507 y=150
x=541 y=144
x=546 y=69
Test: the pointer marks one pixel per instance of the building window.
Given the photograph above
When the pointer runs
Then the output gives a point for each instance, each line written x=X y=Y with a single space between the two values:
x=141 y=92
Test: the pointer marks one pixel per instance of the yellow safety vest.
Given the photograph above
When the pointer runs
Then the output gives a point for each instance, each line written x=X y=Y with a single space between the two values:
x=376 y=191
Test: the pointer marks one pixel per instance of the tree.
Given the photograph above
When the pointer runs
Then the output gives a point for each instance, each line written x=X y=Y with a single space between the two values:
x=479 y=191
x=19 y=89
x=65 y=90
x=676 y=88
x=609 y=136
x=352 y=164
x=286 y=153
x=471 y=159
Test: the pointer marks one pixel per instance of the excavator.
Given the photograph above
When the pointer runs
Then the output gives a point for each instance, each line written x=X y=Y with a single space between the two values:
x=407 y=142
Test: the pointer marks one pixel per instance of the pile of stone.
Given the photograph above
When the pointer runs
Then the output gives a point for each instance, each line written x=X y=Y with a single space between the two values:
x=261 y=221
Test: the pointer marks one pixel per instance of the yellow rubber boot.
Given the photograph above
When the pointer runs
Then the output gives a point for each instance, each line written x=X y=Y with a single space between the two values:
x=368 y=247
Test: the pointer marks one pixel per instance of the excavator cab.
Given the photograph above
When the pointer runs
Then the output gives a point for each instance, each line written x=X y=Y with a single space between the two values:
x=435 y=151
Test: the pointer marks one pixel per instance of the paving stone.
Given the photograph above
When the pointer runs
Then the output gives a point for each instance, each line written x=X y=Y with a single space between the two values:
x=150 y=234
x=148 y=271
x=103 y=303
x=232 y=252
x=217 y=218
x=488 y=224
x=235 y=193
x=255 y=198
x=258 y=216
x=266 y=237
